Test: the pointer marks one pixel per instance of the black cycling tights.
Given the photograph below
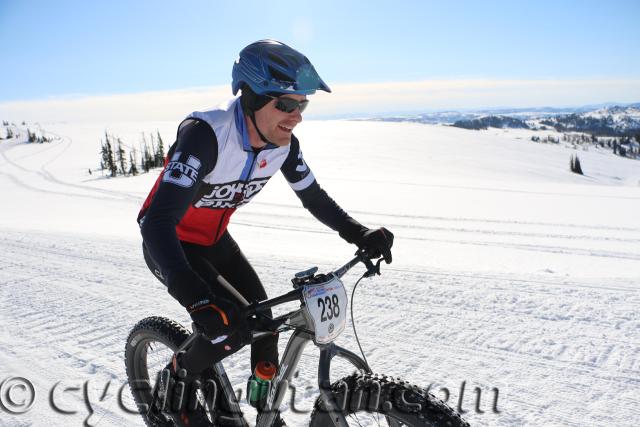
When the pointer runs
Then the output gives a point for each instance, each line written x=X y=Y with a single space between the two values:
x=224 y=258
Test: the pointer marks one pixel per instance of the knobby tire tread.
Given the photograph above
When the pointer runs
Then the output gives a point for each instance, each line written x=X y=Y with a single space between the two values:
x=387 y=396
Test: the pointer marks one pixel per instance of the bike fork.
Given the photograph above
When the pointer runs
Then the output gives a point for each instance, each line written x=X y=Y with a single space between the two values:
x=327 y=353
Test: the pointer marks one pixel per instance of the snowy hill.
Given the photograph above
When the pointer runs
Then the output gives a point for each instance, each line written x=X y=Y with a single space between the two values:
x=621 y=118
x=610 y=120
x=510 y=272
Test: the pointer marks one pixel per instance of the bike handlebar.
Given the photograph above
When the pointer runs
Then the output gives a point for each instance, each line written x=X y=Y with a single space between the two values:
x=361 y=256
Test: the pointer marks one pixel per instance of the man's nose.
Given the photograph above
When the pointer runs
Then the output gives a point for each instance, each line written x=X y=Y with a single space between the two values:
x=296 y=115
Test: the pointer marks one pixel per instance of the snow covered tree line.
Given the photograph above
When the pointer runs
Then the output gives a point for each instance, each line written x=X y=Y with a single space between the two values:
x=12 y=132
x=35 y=138
x=118 y=158
x=624 y=146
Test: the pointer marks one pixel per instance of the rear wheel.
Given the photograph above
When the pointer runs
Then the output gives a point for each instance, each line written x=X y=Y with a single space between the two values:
x=377 y=400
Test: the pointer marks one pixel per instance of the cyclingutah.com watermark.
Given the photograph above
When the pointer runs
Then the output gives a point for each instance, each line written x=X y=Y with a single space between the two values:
x=18 y=395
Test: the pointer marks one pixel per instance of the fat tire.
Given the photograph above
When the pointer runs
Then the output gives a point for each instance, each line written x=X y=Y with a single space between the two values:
x=409 y=404
x=158 y=329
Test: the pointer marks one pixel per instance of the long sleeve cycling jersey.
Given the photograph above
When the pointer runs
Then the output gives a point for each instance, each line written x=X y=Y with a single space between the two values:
x=211 y=171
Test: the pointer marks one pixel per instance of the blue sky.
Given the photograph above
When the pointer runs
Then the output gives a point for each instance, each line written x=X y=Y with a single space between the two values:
x=77 y=48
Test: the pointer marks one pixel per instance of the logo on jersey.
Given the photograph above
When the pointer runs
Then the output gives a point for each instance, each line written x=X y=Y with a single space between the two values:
x=302 y=165
x=182 y=174
x=229 y=195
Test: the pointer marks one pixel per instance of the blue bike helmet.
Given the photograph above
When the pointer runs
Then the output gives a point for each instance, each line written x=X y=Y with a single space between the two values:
x=269 y=66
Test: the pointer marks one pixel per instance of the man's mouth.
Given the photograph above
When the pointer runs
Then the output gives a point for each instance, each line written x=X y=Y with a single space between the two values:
x=285 y=128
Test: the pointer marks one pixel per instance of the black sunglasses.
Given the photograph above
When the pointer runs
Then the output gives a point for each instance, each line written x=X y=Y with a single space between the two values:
x=289 y=105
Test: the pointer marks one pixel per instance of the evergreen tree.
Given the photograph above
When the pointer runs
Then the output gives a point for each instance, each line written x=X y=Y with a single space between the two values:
x=578 y=167
x=575 y=165
x=153 y=151
x=143 y=157
x=159 y=154
x=103 y=156
x=9 y=133
x=109 y=159
x=121 y=157
x=113 y=169
x=147 y=158
x=133 y=170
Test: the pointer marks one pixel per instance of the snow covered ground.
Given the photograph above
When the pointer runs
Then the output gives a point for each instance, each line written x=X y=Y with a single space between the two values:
x=509 y=271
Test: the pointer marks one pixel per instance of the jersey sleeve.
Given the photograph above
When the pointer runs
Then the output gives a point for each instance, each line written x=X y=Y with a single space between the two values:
x=315 y=199
x=295 y=169
x=191 y=158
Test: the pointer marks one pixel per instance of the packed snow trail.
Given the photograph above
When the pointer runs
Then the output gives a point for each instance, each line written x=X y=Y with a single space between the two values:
x=69 y=302
x=533 y=292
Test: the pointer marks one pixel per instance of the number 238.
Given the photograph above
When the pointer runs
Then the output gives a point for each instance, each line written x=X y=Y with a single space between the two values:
x=330 y=307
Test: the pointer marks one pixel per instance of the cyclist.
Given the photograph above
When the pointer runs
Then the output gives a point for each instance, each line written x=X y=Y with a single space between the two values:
x=221 y=159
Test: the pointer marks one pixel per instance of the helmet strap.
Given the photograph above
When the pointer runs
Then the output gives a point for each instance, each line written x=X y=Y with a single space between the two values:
x=252 y=102
x=252 y=115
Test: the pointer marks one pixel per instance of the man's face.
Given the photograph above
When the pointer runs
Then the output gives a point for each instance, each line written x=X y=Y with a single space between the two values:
x=277 y=125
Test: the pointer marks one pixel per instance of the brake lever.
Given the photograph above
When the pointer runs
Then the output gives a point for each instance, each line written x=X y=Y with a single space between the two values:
x=372 y=269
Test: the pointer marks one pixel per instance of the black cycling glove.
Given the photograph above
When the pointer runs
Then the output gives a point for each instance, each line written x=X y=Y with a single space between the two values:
x=376 y=243
x=219 y=318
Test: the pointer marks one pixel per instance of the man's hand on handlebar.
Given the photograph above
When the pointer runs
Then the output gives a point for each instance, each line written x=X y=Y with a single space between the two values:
x=377 y=243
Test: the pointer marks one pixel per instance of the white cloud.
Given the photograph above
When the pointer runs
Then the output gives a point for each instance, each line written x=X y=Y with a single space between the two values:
x=346 y=99
x=474 y=93
x=165 y=105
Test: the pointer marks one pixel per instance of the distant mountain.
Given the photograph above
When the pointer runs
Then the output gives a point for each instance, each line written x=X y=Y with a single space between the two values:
x=602 y=119
x=428 y=118
x=609 y=121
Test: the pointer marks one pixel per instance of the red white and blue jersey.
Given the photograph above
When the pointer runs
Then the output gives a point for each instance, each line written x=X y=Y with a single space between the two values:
x=211 y=171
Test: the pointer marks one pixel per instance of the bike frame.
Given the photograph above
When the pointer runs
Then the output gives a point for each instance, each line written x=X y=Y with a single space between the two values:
x=302 y=335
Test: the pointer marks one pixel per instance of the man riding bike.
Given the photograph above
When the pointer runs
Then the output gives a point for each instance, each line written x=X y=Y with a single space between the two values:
x=221 y=159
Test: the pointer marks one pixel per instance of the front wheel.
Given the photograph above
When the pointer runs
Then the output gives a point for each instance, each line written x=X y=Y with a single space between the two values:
x=370 y=399
x=150 y=346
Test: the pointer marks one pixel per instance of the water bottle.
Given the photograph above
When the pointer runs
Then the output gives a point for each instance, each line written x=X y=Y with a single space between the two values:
x=259 y=384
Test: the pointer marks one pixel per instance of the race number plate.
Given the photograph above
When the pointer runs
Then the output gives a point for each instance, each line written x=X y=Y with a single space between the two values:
x=326 y=304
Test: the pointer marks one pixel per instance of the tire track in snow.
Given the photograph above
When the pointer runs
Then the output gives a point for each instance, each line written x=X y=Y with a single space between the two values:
x=85 y=309
x=520 y=246
x=51 y=178
x=485 y=189
x=90 y=192
x=464 y=219
x=493 y=232
x=454 y=330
